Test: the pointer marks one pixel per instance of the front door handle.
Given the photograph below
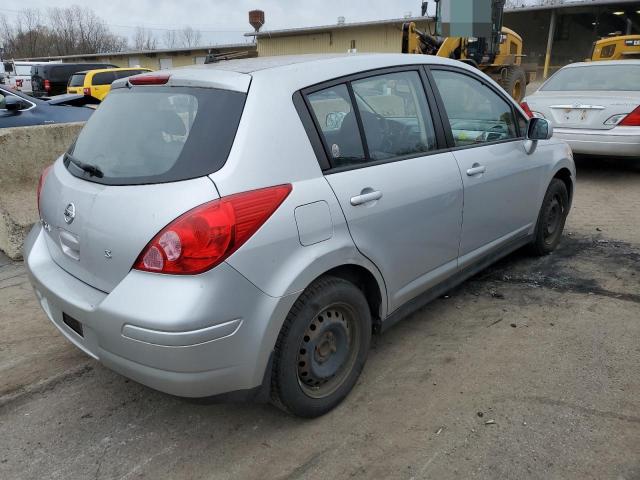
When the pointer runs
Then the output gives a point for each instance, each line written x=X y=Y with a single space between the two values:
x=476 y=169
x=365 y=198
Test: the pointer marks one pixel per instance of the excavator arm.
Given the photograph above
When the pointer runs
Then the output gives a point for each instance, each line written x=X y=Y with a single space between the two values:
x=416 y=41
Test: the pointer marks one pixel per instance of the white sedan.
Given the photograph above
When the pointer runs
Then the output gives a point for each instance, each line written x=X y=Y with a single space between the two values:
x=593 y=106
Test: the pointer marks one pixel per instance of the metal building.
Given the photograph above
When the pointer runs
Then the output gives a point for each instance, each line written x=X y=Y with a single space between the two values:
x=560 y=32
x=555 y=32
x=376 y=36
x=154 y=59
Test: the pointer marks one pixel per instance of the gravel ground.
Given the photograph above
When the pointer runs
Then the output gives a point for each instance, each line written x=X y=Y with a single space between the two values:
x=529 y=370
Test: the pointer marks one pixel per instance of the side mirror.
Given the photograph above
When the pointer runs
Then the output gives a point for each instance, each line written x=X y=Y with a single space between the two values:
x=539 y=129
x=13 y=104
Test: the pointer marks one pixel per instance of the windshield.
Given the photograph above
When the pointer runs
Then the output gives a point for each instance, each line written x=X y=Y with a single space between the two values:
x=77 y=80
x=595 y=78
x=158 y=134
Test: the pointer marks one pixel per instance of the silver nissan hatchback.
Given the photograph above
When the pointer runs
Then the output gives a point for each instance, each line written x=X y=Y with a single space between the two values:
x=243 y=228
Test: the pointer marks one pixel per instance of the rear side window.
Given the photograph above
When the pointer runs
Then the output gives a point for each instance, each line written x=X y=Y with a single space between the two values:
x=334 y=114
x=77 y=80
x=103 y=78
x=395 y=115
x=158 y=134
x=476 y=113
x=392 y=111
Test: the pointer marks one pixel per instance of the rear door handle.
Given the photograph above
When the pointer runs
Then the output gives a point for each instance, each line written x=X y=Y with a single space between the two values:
x=365 y=198
x=476 y=169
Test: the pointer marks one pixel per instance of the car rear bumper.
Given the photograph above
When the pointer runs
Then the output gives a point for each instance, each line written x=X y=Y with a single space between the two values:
x=619 y=141
x=191 y=336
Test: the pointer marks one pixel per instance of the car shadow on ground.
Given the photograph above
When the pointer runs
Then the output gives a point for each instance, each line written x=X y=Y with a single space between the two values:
x=592 y=165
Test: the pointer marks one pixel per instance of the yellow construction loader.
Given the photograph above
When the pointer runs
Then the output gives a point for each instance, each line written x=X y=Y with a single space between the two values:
x=499 y=56
x=619 y=47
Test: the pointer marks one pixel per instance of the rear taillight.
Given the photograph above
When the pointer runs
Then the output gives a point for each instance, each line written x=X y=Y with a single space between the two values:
x=47 y=85
x=203 y=237
x=43 y=178
x=150 y=79
x=527 y=110
x=86 y=91
x=19 y=83
x=631 y=120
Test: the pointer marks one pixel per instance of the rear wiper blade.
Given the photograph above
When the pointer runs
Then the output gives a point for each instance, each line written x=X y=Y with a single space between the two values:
x=92 y=170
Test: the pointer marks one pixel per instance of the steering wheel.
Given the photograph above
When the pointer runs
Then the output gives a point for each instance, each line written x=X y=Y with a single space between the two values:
x=500 y=130
x=377 y=130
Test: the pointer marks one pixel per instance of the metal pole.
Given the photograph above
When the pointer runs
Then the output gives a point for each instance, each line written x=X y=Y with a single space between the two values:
x=552 y=31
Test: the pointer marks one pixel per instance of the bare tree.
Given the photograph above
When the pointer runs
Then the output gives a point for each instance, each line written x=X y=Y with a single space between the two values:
x=59 y=31
x=27 y=36
x=190 y=37
x=170 y=39
x=144 y=39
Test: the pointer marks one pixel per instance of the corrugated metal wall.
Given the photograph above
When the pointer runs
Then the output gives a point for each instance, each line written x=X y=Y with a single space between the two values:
x=374 y=38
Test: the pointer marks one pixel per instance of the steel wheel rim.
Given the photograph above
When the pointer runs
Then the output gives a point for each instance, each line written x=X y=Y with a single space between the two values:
x=328 y=350
x=553 y=219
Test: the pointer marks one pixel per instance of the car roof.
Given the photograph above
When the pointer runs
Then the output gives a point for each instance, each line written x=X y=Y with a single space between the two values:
x=119 y=69
x=603 y=62
x=292 y=71
x=251 y=65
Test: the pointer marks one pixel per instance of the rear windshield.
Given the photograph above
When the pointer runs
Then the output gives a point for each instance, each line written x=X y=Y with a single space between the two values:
x=77 y=80
x=595 y=78
x=23 y=70
x=157 y=134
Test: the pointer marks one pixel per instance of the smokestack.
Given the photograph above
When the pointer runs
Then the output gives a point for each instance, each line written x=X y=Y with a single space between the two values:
x=256 y=19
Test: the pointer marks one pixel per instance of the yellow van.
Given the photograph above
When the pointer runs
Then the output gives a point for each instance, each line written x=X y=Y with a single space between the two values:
x=97 y=83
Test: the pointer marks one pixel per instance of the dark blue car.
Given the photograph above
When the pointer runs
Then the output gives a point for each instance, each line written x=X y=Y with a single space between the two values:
x=19 y=110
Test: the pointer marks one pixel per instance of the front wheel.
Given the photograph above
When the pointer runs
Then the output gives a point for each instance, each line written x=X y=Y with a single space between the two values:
x=551 y=219
x=321 y=349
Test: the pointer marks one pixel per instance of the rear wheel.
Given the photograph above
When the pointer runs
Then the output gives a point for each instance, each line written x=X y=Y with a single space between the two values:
x=514 y=82
x=551 y=219
x=321 y=348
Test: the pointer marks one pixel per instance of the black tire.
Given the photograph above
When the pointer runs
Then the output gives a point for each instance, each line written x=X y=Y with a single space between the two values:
x=514 y=82
x=551 y=219
x=329 y=331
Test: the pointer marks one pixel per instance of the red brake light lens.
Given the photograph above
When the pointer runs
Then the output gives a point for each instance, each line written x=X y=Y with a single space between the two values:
x=205 y=236
x=47 y=85
x=527 y=110
x=632 y=120
x=43 y=178
x=86 y=91
x=150 y=79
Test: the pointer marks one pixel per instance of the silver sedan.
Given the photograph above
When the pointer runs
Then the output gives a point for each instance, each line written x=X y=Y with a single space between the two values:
x=593 y=106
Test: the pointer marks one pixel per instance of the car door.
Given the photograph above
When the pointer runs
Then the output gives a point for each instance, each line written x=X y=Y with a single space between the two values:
x=101 y=84
x=501 y=180
x=400 y=192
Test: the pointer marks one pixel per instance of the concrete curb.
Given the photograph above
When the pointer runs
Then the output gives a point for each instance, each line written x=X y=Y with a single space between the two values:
x=24 y=153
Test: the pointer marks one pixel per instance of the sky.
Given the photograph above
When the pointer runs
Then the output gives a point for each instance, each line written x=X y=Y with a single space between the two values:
x=225 y=21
